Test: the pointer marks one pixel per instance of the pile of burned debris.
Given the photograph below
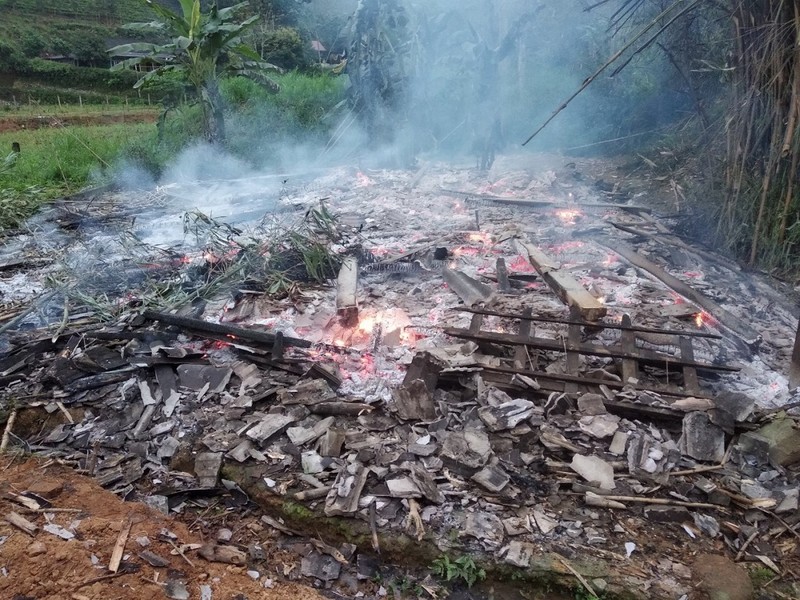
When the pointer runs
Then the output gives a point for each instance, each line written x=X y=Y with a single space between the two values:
x=533 y=396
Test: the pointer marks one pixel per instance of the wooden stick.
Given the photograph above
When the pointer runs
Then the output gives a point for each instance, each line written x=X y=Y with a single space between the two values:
x=662 y=501
x=99 y=579
x=21 y=523
x=7 y=432
x=697 y=470
x=745 y=545
x=587 y=82
x=181 y=553
x=572 y=570
x=119 y=547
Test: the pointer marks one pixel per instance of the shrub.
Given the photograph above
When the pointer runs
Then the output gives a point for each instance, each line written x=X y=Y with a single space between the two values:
x=284 y=47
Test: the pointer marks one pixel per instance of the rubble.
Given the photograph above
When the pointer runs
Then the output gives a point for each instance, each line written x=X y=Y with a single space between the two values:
x=386 y=401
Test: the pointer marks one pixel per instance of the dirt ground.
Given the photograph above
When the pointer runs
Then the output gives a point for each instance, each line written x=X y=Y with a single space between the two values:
x=21 y=123
x=43 y=566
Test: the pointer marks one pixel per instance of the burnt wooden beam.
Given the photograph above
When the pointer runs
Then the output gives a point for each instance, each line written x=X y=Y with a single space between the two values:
x=630 y=368
x=233 y=333
x=794 y=366
x=732 y=323
x=543 y=203
x=565 y=286
x=583 y=380
x=689 y=373
x=503 y=283
x=601 y=324
x=640 y=354
x=347 y=292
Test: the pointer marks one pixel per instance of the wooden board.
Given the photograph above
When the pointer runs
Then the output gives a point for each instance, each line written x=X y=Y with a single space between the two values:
x=571 y=293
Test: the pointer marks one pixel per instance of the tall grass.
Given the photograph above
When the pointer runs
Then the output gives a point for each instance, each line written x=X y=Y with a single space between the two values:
x=58 y=161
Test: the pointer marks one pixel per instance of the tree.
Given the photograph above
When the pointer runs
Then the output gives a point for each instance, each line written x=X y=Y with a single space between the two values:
x=203 y=47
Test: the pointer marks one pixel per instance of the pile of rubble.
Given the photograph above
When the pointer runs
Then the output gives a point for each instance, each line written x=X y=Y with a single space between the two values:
x=540 y=397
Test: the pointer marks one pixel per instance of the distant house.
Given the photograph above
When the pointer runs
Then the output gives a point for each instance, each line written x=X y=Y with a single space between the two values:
x=151 y=64
x=64 y=59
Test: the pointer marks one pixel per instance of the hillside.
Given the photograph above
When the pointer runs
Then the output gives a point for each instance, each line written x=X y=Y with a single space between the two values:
x=74 y=36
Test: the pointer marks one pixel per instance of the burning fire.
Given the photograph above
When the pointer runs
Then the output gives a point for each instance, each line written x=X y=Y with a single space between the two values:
x=480 y=237
x=704 y=318
x=465 y=251
x=568 y=216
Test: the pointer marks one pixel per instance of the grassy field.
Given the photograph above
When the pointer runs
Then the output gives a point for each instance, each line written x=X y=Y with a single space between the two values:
x=60 y=160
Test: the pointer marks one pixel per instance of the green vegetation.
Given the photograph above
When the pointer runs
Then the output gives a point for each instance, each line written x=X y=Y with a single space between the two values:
x=204 y=47
x=60 y=160
x=463 y=569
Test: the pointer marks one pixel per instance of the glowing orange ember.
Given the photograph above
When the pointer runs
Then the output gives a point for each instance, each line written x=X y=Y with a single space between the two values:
x=568 y=216
x=521 y=265
x=465 y=251
x=480 y=237
x=703 y=318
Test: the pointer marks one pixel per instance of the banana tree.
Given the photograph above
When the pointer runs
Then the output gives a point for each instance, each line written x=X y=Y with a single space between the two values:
x=203 y=47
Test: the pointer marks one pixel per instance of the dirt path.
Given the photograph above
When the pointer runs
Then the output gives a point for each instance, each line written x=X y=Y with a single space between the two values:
x=46 y=567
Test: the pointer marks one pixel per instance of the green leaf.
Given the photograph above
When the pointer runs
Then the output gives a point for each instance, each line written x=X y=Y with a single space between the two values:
x=135 y=47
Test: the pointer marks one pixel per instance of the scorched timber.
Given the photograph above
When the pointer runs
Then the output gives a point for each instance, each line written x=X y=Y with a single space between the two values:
x=235 y=333
x=572 y=293
x=543 y=203
x=582 y=348
x=598 y=324
x=749 y=336
x=543 y=378
x=347 y=292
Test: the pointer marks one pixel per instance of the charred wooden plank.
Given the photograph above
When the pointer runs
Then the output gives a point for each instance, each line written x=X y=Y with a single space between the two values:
x=642 y=355
x=237 y=333
x=347 y=292
x=503 y=283
x=630 y=369
x=571 y=293
x=690 y=381
x=543 y=377
x=600 y=324
x=526 y=331
x=543 y=203
x=742 y=331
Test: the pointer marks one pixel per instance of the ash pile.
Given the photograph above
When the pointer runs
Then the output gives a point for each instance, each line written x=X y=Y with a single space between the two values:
x=534 y=371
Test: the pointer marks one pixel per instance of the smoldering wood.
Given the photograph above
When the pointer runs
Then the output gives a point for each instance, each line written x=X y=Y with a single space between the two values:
x=640 y=354
x=598 y=324
x=630 y=369
x=503 y=283
x=555 y=382
x=743 y=332
x=571 y=293
x=98 y=381
x=542 y=203
x=199 y=327
x=347 y=292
